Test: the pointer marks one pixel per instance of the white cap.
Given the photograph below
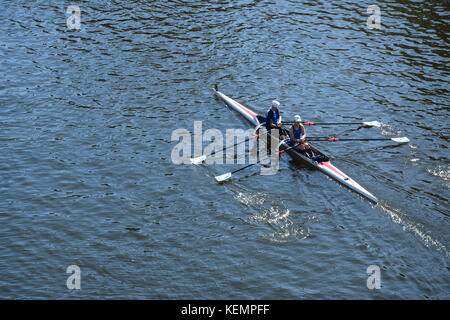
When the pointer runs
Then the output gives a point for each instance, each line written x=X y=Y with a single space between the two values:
x=275 y=104
x=297 y=118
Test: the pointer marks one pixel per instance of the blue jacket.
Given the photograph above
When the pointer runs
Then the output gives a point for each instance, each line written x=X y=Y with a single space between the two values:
x=272 y=118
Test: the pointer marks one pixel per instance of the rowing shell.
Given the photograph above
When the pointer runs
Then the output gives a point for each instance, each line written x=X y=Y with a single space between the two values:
x=325 y=166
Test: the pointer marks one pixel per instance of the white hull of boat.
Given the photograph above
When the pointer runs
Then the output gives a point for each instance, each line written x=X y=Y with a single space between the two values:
x=326 y=166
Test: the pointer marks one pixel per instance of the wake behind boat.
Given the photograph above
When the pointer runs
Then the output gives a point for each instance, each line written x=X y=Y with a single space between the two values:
x=325 y=166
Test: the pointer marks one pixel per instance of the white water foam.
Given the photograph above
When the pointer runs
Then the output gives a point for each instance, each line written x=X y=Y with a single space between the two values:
x=402 y=219
x=442 y=172
x=276 y=216
x=388 y=130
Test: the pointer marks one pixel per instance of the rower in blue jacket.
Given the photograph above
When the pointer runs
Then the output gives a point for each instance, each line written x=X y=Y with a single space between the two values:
x=273 y=120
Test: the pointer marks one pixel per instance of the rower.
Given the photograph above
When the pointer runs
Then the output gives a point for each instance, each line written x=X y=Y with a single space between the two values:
x=297 y=133
x=273 y=120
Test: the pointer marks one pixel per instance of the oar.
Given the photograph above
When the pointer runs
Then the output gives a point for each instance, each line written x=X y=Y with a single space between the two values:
x=365 y=123
x=333 y=139
x=202 y=158
x=228 y=175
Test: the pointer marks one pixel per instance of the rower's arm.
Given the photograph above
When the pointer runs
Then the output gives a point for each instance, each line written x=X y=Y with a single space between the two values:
x=304 y=132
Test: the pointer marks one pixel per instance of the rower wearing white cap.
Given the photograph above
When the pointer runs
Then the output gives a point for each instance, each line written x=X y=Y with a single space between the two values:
x=273 y=119
x=297 y=133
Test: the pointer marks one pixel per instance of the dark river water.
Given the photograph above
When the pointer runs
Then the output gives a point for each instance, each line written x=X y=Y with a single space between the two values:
x=87 y=179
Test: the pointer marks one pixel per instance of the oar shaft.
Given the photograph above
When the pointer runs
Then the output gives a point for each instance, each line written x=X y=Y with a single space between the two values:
x=234 y=145
x=363 y=139
x=252 y=164
x=247 y=166
x=237 y=143
x=345 y=139
x=307 y=123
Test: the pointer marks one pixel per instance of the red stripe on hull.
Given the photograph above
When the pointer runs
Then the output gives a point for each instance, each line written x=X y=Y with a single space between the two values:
x=246 y=110
x=333 y=168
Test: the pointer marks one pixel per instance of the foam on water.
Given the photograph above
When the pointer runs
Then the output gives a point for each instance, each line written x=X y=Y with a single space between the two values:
x=273 y=214
x=418 y=230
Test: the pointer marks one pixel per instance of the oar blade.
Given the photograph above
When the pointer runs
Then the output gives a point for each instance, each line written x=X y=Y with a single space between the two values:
x=401 y=139
x=372 y=124
x=223 y=177
x=198 y=160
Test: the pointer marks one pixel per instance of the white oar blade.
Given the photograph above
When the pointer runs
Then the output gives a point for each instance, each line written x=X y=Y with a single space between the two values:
x=198 y=160
x=401 y=140
x=372 y=124
x=223 y=177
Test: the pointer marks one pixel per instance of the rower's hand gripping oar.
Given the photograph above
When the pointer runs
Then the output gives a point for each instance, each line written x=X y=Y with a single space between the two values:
x=334 y=139
x=198 y=160
x=364 y=123
x=228 y=175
